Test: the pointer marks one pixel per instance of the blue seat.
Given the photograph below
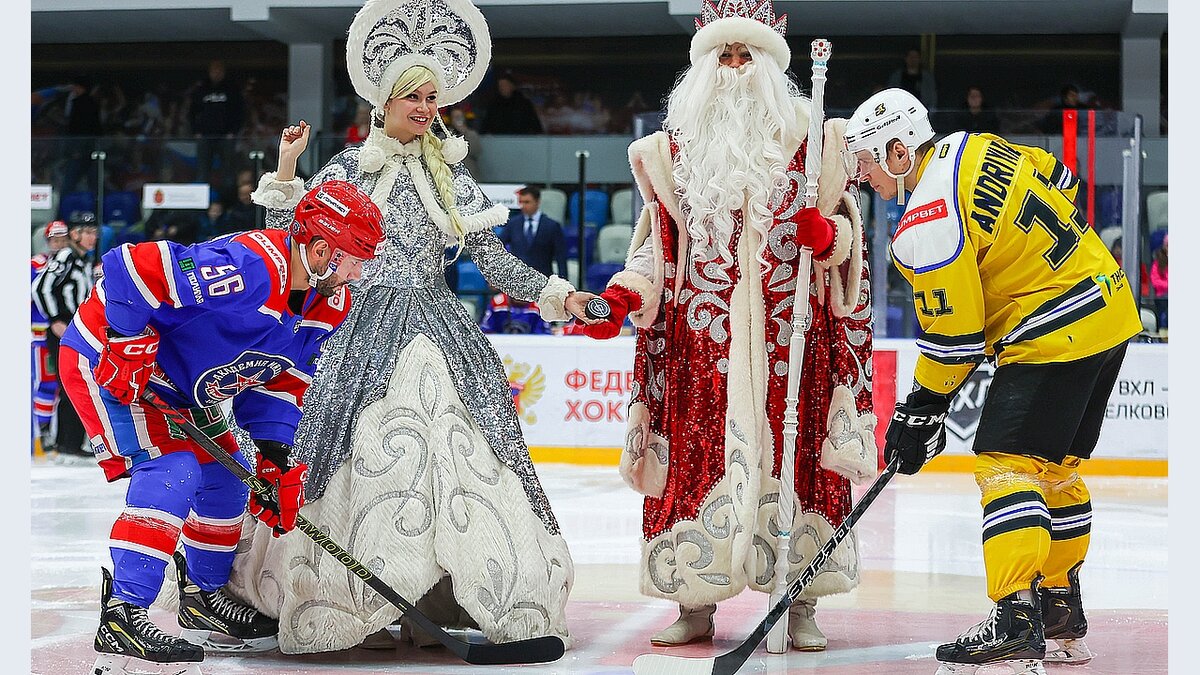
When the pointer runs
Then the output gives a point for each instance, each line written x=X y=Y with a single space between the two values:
x=595 y=209
x=122 y=208
x=75 y=203
x=470 y=279
x=598 y=275
x=571 y=237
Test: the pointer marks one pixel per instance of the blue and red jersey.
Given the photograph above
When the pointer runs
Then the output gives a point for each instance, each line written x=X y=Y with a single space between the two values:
x=37 y=322
x=226 y=330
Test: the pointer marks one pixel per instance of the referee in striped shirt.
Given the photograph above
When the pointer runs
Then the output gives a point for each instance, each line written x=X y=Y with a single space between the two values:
x=58 y=291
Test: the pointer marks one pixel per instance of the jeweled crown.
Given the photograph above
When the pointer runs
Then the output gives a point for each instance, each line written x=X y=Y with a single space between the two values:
x=762 y=11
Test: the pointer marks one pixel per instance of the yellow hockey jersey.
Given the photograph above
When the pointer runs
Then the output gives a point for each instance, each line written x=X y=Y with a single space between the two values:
x=1003 y=265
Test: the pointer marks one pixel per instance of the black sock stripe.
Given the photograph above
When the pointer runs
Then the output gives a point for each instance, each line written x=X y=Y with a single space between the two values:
x=1071 y=510
x=1009 y=500
x=1073 y=533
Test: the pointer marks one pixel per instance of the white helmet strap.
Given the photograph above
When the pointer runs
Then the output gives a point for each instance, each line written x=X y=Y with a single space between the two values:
x=313 y=277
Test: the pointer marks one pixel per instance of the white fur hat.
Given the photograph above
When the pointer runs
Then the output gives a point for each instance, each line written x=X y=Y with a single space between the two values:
x=751 y=22
x=449 y=37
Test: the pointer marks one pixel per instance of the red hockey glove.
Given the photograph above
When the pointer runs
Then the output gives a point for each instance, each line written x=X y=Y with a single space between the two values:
x=126 y=363
x=814 y=231
x=279 y=515
x=621 y=302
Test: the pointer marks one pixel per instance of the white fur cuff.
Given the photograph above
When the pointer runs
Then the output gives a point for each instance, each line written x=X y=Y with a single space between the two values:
x=486 y=219
x=273 y=193
x=849 y=449
x=552 y=302
x=839 y=252
x=645 y=289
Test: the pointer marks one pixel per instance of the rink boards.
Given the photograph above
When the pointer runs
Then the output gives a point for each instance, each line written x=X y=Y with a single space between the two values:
x=571 y=393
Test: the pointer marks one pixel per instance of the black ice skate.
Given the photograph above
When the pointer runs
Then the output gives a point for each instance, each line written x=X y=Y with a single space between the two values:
x=1011 y=636
x=215 y=621
x=129 y=642
x=1062 y=614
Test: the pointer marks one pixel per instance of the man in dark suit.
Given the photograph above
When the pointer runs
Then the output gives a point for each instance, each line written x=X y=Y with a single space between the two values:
x=533 y=236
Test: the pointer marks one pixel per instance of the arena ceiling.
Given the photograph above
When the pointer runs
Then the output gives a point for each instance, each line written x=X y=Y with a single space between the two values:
x=292 y=21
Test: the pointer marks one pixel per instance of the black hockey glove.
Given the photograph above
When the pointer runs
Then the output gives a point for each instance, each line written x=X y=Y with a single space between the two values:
x=917 y=432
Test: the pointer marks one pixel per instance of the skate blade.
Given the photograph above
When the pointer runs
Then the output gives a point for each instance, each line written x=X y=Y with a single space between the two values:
x=1069 y=653
x=116 y=664
x=1017 y=667
x=220 y=642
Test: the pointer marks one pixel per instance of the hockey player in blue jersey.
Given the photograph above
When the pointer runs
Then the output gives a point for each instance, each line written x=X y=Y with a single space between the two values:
x=237 y=320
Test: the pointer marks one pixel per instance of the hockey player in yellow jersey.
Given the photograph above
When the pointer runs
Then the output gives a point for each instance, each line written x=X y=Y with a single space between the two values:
x=1003 y=267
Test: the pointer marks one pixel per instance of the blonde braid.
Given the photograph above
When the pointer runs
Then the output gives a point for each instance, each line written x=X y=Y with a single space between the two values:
x=431 y=150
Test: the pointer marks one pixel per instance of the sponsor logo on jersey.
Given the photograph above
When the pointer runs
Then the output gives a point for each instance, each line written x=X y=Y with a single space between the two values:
x=250 y=369
x=188 y=267
x=967 y=405
x=274 y=255
x=923 y=214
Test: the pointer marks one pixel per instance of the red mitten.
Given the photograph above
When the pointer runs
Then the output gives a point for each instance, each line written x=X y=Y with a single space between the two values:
x=280 y=516
x=814 y=231
x=126 y=363
x=621 y=301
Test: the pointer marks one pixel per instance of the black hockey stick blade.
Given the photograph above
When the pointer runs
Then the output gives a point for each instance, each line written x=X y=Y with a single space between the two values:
x=731 y=662
x=533 y=650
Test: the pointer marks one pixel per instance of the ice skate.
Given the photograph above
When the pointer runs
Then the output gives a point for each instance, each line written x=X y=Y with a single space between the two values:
x=215 y=621
x=802 y=627
x=130 y=643
x=1062 y=615
x=1011 y=637
x=693 y=625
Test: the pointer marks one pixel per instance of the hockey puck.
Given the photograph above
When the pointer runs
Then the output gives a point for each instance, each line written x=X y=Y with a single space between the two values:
x=597 y=308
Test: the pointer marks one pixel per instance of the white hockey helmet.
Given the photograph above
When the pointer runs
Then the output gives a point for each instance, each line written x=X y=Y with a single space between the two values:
x=887 y=115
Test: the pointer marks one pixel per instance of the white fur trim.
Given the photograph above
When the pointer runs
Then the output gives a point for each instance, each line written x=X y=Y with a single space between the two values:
x=839 y=252
x=740 y=29
x=647 y=226
x=552 y=301
x=497 y=214
x=845 y=279
x=849 y=446
x=646 y=457
x=647 y=291
x=273 y=193
x=650 y=160
x=454 y=149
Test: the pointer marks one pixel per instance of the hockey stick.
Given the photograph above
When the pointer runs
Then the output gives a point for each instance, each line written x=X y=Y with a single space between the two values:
x=533 y=650
x=777 y=639
x=731 y=662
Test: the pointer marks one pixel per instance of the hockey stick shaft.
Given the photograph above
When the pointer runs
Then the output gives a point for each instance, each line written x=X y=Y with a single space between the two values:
x=533 y=650
x=742 y=653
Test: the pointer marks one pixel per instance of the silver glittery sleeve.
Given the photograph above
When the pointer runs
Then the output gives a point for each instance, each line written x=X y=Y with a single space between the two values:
x=340 y=167
x=502 y=269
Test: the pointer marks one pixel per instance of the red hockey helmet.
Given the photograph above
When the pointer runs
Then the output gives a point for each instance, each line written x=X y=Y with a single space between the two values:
x=56 y=228
x=342 y=214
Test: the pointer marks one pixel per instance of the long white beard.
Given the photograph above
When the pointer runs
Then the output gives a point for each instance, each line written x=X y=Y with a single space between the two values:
x=732 y=126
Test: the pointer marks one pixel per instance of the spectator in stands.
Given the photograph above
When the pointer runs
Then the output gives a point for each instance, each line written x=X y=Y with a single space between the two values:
x=976 y=116
x=1068 y=99
x=213 y=222
x=358 y=130
x=622 y=118
x=556 y=114
x=916 y=80
x=113 y=108
x=217 y=113
x=458 y=122
x=533 y=236
x=1144 y=274
x=82 y=128
x=506 y=315
x=510 y=112
x=1158 y=270
x=147 y=119
x=242 y=214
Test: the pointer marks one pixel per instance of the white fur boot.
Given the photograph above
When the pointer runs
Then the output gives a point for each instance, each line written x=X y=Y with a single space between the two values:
x=694 y=625
x=802 y=627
